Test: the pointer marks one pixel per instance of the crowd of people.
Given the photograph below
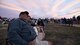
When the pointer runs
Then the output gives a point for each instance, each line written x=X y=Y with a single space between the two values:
x=4 y=20
x=70 y=21
x=29 y=31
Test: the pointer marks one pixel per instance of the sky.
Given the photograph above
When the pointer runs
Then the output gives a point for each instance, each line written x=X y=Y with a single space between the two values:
x=40 y=8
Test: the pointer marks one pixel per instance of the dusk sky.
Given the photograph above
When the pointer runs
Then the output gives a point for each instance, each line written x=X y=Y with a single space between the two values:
x=40 y=8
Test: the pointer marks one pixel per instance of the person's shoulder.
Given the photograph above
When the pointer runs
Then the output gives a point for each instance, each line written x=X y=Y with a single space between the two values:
x=15 y=20
x=20 y=21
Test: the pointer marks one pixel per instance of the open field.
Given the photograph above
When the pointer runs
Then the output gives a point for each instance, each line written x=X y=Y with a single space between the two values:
x=3 y=34
x=62 y=35
x=55 y=33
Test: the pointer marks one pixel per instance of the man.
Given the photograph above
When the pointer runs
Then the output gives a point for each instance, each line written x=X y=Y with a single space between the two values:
x=20 y=32
x=40 y=23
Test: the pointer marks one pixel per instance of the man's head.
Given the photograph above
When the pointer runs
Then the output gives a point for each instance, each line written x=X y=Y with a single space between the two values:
x=24 y=15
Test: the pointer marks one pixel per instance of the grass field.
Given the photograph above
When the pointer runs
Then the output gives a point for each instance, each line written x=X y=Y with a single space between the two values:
x=3 y=34
x=62 y=35
x=55 y=33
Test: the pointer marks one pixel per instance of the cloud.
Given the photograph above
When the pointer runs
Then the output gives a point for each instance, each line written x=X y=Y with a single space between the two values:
x=8 y=13
x=41 y=8
x=57 y=3
x=70 y=15
x=11 y=6
x=69 y=5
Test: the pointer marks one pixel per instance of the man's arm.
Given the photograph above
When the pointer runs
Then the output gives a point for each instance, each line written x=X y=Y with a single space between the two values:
x=13 y=34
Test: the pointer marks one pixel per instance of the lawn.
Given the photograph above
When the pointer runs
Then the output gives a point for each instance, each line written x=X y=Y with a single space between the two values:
x=3 y=34
x=62 y=35
x=55 y=33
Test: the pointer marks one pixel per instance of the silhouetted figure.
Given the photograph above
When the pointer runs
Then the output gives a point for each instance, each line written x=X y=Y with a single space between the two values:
x=1 y=20
x=74 y=20
x=78 y=19
x=40 y=23
x=0 y=17
x=70 y=22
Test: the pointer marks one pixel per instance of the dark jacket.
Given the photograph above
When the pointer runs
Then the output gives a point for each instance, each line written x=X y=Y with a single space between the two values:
x=20 y=32
x=40 y=22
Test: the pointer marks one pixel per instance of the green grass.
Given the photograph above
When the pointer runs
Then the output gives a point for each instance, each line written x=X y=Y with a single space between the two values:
x=3 y=34
x=62 y=35
x=55 y=33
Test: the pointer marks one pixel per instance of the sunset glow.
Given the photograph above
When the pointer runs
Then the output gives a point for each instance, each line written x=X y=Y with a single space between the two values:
x=42 y=8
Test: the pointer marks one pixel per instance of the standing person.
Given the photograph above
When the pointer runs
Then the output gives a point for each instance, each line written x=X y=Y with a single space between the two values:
x=40 y=23
x=40 y=36
x=20 y=32
x=1 y=19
